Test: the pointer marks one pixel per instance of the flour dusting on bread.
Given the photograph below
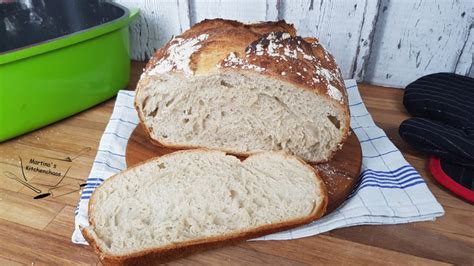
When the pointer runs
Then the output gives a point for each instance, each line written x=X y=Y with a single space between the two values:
x=233 y=61
x=178 y=56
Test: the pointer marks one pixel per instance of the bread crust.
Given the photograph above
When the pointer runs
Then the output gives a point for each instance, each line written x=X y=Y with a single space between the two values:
x=154 y=256
x=271 y=49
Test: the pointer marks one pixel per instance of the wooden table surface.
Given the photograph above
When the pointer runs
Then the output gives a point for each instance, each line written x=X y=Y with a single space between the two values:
x=39 y=231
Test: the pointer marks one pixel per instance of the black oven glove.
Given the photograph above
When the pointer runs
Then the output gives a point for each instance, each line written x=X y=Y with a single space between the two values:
x=443 y=125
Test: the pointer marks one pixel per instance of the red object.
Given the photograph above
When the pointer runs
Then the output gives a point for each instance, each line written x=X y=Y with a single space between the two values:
x=434 y=165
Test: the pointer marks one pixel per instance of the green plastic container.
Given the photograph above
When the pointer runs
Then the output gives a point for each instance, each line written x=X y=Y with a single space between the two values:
x=43 y=83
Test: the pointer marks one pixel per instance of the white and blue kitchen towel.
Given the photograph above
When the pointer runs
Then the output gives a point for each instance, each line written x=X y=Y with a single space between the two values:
x=391 y=191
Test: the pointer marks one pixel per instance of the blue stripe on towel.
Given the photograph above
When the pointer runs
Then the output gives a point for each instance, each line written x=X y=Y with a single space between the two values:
x=403 y=177
x=92 y=186
x=370 y=139
x=125 y=121
x=390 y=187
x=93 y=183
x=124 y=106
x=356 y=116
x=106 y=164
x=95 y=179
x=350 y=87
x=355 y=104
x=391 y=172
x=388 y=176
x=389 y=182
x=131 y=94
x=389 y=179
x=115 y=134
x=116 y=154
x=379 y=155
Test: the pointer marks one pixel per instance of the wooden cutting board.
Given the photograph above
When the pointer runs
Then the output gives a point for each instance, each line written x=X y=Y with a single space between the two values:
x=340 y=175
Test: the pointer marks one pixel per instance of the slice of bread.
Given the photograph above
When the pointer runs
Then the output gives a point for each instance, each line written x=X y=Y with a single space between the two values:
x=245 y=89
x=186 y=201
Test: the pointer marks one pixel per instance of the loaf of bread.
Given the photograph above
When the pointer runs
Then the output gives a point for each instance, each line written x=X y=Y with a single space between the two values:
x=245 y=89
x=191 y=200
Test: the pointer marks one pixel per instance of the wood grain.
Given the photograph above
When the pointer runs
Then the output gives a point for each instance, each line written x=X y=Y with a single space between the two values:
x=340 y=175
x=243 y=10
x=343 y=27
x=383 y=42
x=159 y=21
x=62 y=223
x=449 y=239
x=19 y=208
x=465 y=64
x=414 y=38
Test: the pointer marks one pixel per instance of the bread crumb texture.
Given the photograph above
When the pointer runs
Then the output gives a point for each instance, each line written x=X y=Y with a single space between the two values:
x=197 y=194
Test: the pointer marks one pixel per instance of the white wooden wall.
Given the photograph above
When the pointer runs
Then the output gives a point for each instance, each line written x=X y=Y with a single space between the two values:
x=377 y=41
x=414 y=38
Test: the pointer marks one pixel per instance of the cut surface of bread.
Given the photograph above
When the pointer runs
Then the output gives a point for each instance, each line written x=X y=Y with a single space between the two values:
x=245 y=89
x=169 y=204
x=240 y=113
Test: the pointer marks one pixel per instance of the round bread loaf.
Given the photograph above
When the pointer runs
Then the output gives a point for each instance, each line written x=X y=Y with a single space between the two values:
x=245 y=88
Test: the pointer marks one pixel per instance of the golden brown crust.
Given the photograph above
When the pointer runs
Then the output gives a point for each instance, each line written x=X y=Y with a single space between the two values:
x=224 y=37
x=269 y=48
x=291 y=59
x=172 y=251
x=272 y=46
